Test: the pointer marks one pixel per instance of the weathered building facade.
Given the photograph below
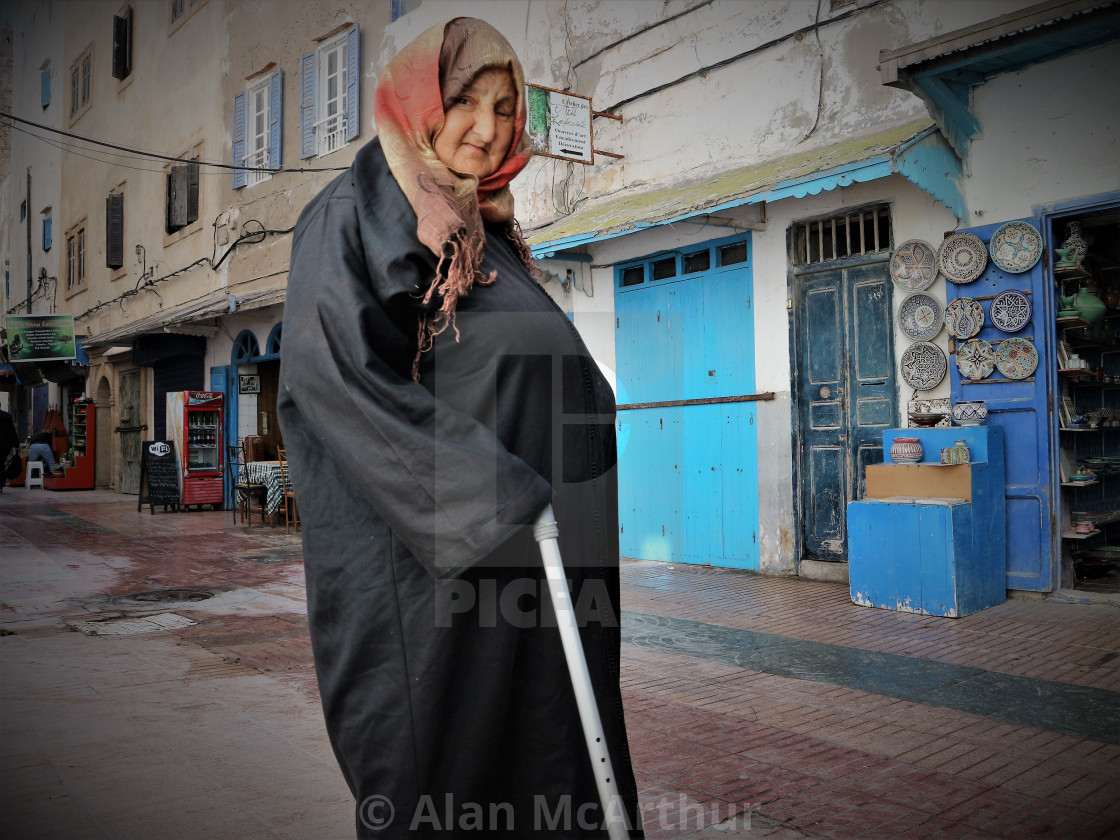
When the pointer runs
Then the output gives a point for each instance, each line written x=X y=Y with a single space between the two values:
x=730 y=270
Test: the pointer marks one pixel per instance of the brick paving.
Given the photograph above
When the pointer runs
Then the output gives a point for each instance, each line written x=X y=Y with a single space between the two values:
x=219 y=722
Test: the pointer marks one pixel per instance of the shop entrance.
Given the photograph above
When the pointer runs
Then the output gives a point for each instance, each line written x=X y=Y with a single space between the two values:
x=1086 y=276
x=130 y=430
x=103 y=441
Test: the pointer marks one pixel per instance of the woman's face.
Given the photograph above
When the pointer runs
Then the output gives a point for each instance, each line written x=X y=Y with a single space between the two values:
x=478 y=125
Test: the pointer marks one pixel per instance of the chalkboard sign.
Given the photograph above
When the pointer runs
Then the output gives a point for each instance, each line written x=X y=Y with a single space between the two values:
x=159 y=475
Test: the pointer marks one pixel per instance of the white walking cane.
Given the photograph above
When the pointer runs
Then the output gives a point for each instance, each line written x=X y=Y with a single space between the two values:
x=545 y=533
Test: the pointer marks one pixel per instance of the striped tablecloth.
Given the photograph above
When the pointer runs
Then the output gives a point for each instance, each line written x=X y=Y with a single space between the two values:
x=268 y=474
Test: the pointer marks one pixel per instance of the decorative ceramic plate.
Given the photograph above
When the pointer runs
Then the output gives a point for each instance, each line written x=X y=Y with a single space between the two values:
x=914 y=265
x=920 y=316
x=1016 y=247
x=964 y=317
x=962 y=257
x=923 y=366
x=1016 y=358
x=976 y=359
x=1010 y=311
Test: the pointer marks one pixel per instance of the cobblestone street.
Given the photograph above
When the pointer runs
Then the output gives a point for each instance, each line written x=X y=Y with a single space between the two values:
x=757 y=707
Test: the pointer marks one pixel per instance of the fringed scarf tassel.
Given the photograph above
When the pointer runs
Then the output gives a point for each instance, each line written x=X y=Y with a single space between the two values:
x=457 y=272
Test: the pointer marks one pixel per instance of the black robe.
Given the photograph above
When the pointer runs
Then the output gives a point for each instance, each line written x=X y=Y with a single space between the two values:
x=443 y=680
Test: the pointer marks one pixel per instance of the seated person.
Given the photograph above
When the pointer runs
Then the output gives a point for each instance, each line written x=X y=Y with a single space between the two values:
x=40 y=450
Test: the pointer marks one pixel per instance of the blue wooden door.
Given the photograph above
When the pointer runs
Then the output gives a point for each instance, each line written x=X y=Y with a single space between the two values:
x=688 y=477
x=1024 y=409
x=844 y=381
x=224 y=380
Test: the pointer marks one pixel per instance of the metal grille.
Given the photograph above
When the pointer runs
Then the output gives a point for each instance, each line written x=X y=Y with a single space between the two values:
x=854 y=234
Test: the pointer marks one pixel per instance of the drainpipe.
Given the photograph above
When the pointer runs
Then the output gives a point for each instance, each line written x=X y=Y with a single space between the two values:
x=27 y=217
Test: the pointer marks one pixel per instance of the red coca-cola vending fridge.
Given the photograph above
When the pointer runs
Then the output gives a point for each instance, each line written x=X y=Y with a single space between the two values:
x=194 y=422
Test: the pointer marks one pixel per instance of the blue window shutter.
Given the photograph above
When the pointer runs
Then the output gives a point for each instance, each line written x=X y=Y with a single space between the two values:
x=239 y=140
x=47 y=233
x=45 y=87
x=275 y=117
x=353 y=71
x=307 y=87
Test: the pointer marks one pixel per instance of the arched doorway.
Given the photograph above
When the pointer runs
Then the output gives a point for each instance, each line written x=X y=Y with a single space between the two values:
x=256 y=413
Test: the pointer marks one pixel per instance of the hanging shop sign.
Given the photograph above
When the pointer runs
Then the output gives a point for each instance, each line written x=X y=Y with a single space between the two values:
x=560 y=125
x=40 y=338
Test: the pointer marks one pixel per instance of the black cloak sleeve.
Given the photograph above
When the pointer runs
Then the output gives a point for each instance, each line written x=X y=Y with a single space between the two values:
x=441 y=480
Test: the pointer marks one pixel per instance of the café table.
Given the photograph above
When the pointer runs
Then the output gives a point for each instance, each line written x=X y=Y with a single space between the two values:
x=268 y=473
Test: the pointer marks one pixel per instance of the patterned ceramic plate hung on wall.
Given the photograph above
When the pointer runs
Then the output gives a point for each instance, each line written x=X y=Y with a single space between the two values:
x=962 y=257
x=914 y=266
x=976 y=359
x=923 y=366
x=1016 y=358
x=920 y=316
x=1016 y=247
x=964 y=317
x=1010 y=311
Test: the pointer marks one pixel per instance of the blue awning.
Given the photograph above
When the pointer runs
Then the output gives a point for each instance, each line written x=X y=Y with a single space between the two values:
x=916 y=150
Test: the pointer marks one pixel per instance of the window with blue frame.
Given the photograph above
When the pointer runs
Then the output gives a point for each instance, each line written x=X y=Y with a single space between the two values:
x=257 y=122
x=400 y=8
x=47 y=231
x=329 y=76
x=245 y=347
x=682 y=263
x=45 y=86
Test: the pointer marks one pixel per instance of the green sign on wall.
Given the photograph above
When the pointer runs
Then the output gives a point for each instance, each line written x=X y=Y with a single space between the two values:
x=40 y=338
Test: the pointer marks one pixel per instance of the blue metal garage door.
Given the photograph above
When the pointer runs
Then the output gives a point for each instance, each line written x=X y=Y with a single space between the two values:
x=688 y=466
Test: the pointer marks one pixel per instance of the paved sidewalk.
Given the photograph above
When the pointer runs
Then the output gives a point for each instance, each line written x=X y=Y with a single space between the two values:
x=757 y=707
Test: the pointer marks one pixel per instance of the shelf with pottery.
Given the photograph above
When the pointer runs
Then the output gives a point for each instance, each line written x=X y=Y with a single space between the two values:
x=1095 y=518
x=954 y=511
x=1079 y=535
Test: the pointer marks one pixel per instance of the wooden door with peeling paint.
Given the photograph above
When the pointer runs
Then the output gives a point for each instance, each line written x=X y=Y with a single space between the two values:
x=844 y=386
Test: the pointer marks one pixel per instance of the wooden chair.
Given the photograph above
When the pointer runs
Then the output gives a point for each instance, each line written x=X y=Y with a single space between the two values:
x=244 y=491
x=289 y=494
x=253 y=448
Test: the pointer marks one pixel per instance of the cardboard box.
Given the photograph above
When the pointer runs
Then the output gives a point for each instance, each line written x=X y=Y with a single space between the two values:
x=919 y=481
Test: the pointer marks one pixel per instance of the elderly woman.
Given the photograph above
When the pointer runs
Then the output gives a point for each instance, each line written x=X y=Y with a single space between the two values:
x=434 y=400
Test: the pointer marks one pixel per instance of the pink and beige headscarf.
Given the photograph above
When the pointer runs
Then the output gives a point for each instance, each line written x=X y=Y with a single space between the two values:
x=412 y=94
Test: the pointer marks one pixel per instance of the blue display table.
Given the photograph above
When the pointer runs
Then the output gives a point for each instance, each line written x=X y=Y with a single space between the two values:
x=931 y=539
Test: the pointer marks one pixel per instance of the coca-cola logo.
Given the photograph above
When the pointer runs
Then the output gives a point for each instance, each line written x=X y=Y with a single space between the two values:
x=159 y=449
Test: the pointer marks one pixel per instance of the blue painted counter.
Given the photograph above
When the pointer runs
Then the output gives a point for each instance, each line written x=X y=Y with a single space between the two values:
x=935 y=556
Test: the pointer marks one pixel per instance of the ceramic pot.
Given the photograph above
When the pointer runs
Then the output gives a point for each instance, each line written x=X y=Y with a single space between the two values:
x=958 y=453
x=1089 y=307
x=906 y=450
x=970 y=413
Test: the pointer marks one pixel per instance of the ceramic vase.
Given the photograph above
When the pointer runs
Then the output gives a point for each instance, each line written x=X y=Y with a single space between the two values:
x=1075 y=241
x=969 y=412
x=906 y=450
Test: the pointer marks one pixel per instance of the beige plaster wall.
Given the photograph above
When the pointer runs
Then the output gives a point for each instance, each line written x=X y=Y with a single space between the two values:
x=168 y=104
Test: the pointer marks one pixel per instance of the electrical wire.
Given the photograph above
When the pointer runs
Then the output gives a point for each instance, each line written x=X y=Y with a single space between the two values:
x=252 y=237
x=805 y=30
x=159 y=156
